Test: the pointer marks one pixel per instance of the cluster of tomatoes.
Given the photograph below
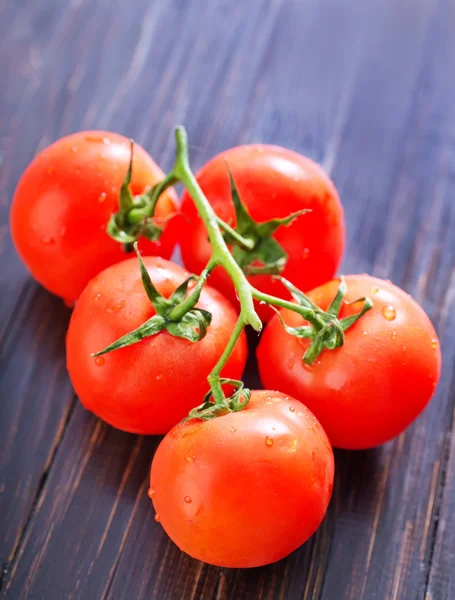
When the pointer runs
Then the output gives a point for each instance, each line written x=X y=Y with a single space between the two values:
x=248 y=487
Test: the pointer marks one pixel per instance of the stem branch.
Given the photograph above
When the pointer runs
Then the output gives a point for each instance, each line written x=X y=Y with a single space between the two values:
x=214 y=377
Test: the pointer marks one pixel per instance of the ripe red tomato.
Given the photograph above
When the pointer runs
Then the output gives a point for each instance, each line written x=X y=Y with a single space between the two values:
x=247 y=488
x=150 y=386
x=63 y=203
x=273 y=182
x=369 y=390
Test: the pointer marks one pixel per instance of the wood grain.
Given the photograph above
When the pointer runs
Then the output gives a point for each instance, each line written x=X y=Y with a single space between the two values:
x=365 y=88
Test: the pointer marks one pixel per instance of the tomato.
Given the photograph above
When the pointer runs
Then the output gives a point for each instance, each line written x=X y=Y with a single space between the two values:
x=150 y=386
x=63 y=203
x=272 y=182
x=247 y=488
x=370 y=389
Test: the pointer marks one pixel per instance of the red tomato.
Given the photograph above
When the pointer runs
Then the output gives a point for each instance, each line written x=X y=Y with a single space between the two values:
x=369 y=390
x=63 y=203
x=247 y=488
x=150 y=386
x=273 y=182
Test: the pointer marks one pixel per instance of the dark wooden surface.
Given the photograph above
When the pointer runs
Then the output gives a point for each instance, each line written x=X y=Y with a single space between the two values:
x=365 y=88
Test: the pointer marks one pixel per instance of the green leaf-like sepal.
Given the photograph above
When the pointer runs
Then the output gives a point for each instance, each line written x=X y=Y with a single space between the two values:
x=177 y=315
x=147 y=329
x=236 y=402
x=192 y=326
x=254 y=248
x=159 y=302
x=326 y=330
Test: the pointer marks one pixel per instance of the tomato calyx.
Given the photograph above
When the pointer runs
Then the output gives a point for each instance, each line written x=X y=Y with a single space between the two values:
x=326 y=329
x=177 y=315
x=135 y=215
x=252 y=242
x=210 y=408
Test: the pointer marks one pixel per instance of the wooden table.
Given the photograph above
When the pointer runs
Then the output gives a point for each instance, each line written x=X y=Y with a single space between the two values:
x=367 y=88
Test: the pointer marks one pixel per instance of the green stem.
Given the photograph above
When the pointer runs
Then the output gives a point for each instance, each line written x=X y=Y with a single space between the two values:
x=246 y=243
x=220 y=252
x=307 y=313
x=214 y=377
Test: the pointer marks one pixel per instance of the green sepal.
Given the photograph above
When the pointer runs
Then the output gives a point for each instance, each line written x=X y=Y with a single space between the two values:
x=180 y=293
x=192 y=326
x=258 y=244
x=134 y=217
x=235 y=403
x=326 y=330
x=159 y=302
x=177 y=315
x=348 y=321
x=147 y=329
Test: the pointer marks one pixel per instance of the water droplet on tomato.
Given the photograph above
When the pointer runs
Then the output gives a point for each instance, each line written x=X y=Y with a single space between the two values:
x=291 y=362
x=300 y=414
x=291 y=409
x=434 y=343
x=365 y=333
x=305 y=253
x=157 y=518
x=102 y=197
x=47 y=240
x=389 y=313
x=50 y=170
x=374 y=289
x=404 y=348
x=268 y=441
x=188 y=500
x=106 y=140
x=97 y=297
x=292 y=446
x=114 y=189
x=115 y=306
x=74 y=149
x=233 y=429
x=189 y=459
x=151 y=493
x=99 y=361
x=394 y=335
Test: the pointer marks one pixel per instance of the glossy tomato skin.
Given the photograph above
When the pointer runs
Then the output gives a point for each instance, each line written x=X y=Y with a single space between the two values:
x=247 y=488
x=150 y=386
x=369 y=390
x=63 y=203
x=273 y=182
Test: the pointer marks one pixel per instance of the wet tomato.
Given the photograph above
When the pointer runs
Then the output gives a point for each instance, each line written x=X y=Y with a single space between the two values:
x=150 y=386
x=273 y=182
x=247 y=488
x=63 y=203
x=370 y=389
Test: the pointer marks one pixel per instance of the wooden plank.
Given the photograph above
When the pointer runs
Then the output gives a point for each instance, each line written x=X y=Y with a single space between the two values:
x=365 y=88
